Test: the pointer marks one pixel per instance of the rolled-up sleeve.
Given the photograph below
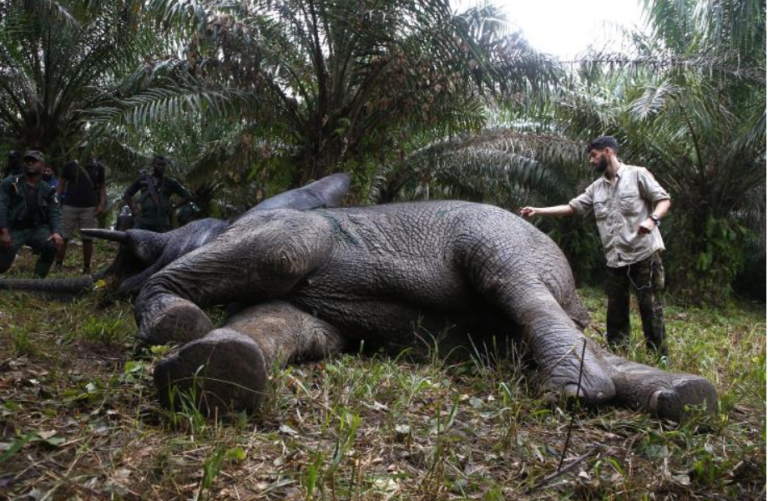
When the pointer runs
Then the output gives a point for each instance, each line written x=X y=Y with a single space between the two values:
x=651 y=189
x=583 y=202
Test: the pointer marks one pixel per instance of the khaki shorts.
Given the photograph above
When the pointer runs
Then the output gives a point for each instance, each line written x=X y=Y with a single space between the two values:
x=75 y=218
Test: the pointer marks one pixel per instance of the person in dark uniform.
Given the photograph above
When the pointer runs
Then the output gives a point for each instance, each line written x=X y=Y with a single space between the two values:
x=29 y=214
x=14 y=166
x=155 y=207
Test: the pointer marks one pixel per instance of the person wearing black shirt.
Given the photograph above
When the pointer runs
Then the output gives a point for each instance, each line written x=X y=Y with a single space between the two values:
x=86 y=190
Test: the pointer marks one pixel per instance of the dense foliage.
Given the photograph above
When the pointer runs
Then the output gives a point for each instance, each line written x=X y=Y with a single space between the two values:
x=415 y=99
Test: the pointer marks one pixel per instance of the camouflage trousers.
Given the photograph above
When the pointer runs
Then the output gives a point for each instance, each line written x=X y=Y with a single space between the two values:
x=646 y=279
x=37 y=238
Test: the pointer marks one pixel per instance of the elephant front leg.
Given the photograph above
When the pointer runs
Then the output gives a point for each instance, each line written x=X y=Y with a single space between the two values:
x=658 y=392
x=553 y=339
x=228 y=368
x=167 y=318
x=252 y=261
x=568 y=363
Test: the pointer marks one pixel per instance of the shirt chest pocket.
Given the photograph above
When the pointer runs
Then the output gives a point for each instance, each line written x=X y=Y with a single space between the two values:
x=629 y=203
x=601 y=207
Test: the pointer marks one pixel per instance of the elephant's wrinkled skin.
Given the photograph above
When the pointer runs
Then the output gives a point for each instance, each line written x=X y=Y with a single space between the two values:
x=323 y=281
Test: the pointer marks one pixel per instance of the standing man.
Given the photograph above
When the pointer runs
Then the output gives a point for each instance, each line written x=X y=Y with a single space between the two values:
x=155 y=207
x=29 y=214
x=629 y=205
x=85 y=186
x=49 y=177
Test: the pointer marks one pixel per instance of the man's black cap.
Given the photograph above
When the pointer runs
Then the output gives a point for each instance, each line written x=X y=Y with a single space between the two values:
x=160 y=160
x=35 y=154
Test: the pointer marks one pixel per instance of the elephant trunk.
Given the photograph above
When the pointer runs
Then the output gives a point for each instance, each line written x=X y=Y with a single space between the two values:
x=49 y=287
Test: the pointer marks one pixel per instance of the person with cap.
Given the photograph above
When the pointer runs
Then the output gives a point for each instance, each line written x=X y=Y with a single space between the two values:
x=29 y=215
x=628 y=204
x=86 y=197
x=13 y=167
x=155 y=207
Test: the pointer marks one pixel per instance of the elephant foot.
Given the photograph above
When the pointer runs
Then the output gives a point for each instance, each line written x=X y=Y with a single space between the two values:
x=224 y=370
x=661 y=393
x=172 y=319
x=685 y=391
x=561 y=377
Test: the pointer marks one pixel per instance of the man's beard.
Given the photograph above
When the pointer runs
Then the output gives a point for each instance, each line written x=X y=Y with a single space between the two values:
x=600 y=167
x=30 y=171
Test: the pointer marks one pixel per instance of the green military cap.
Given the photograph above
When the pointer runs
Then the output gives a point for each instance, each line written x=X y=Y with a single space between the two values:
x=34 y=154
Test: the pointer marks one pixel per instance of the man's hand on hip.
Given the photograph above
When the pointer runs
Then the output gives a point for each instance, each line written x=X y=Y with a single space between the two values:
x=646 y=226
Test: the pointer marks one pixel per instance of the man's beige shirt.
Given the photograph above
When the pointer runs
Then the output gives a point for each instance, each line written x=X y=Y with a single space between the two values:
x=619 y=210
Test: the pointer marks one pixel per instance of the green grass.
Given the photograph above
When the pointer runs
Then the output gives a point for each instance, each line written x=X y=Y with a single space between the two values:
x=80 y=419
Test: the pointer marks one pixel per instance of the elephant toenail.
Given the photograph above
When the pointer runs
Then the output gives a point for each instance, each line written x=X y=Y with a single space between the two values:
x=653 y=403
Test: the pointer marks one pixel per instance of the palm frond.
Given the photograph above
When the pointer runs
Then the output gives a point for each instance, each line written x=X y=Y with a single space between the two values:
x=653 y=100
x=500 y=166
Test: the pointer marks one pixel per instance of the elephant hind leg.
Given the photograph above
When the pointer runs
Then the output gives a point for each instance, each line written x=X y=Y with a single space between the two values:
x=661 y=393
x=228 y=368
x=223 y=370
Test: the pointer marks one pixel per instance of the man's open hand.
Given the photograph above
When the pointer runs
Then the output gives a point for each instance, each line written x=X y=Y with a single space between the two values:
x=528 y=212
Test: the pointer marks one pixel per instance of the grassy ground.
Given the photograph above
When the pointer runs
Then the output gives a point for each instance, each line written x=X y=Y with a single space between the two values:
x=79 y=420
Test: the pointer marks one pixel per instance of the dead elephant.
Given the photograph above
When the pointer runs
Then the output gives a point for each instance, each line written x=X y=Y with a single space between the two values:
x=319 y=282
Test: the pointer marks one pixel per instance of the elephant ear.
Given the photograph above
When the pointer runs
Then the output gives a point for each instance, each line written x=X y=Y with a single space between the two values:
x=326 y=192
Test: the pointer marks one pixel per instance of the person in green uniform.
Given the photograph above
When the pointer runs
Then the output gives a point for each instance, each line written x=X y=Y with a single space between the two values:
x=155 y=207
x=29 y=215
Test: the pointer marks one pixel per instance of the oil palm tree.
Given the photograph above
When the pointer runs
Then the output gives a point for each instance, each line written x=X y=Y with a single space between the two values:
x=58 y=61
x=341 y=85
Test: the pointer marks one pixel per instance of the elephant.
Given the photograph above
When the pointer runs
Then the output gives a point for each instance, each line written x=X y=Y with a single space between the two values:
x=310 y=284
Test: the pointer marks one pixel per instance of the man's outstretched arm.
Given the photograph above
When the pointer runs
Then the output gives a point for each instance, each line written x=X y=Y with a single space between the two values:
x=557 y=210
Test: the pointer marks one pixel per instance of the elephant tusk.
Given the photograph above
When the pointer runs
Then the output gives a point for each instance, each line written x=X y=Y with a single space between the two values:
x=115 y=236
